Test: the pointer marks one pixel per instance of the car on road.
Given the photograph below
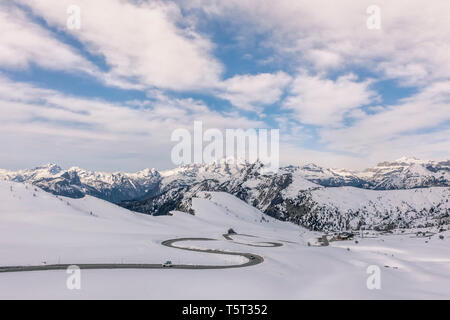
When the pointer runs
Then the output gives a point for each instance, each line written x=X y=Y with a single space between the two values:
x=167 y=264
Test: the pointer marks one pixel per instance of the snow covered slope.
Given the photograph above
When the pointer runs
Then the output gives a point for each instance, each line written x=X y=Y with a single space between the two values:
x=349 y=208
x=38 y=228
x=43 y=228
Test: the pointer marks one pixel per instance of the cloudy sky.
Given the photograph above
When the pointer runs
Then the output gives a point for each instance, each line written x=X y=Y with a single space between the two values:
x=108 y=95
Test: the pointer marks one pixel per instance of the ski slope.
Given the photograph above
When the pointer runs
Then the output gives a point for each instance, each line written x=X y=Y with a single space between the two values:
x=37 y=228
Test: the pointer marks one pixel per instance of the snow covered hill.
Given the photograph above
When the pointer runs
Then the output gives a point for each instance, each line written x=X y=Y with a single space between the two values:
x=38 y=228
x=349 y=208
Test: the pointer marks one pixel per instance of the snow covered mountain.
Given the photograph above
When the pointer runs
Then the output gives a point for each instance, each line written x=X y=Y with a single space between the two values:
x=76 y=182
x=407 y=173
x=289 y=196
x=389 y=195
x=189 y=174
x=404 y=173
x=328 y=177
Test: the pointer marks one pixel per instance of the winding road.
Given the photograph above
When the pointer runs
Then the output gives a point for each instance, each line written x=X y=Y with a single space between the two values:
x=259 y=244
x=253 y=259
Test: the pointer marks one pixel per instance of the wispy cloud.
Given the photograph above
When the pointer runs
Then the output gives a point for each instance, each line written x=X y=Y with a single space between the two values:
x=418 y=124
x=145 y=42
x=24 y=43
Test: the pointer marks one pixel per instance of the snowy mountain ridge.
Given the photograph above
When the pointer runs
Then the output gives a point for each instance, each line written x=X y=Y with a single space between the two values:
x=404 y=173
x=288 y=196
x=401 y=194
x=77 y=183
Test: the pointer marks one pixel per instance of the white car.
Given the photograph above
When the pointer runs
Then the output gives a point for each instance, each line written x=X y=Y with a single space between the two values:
x=168 y=264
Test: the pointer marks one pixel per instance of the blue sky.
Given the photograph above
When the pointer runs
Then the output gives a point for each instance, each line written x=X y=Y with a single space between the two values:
x=108 y=95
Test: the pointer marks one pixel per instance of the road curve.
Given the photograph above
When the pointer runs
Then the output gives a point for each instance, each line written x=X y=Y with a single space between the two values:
x=253 y=259
x=259 y=244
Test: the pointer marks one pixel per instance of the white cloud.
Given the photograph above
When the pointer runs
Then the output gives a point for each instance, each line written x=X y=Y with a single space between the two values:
x=23 y=43
x=253 y=92
x=417 y=124
x=320 y=101
x=93 y=131
x=293 y=154
x=324 y=36
x=154 y=46
x=412 y=45
x=146 y=42
x=323 y=59
x=416 y=127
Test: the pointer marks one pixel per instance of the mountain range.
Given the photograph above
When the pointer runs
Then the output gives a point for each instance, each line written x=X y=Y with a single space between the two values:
x=404 y=193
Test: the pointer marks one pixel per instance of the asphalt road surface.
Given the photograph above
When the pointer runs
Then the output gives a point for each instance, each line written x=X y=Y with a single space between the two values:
x=253 y=259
